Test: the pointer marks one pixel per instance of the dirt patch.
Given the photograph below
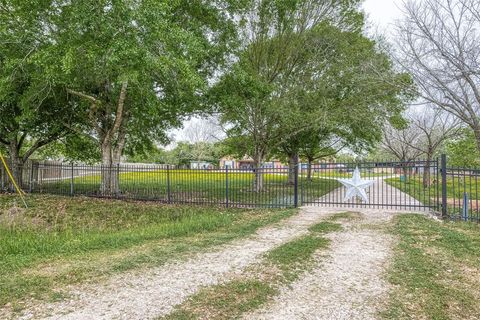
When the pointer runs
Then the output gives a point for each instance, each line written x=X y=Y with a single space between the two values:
x=473 y=204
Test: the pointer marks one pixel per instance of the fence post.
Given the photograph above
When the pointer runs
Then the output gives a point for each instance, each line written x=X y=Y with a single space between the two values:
x=2 y=178
x=72 y=174
x=295 y=190
x=226 y=186
x=117 y=190
x=30 y=187
x=444 y=185
x=302 y=190
x=169 y=200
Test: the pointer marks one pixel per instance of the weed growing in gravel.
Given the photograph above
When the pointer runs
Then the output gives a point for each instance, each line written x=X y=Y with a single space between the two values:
x=326 y=227
x=348 y=216
x=295 y=256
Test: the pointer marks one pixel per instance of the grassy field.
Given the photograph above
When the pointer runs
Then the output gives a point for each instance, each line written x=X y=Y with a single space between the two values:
x=455 y=187
x=414 y=187
x=195 y=186
x=59 y=241
x=435 y=270
x=455 y=190
x=342 y=174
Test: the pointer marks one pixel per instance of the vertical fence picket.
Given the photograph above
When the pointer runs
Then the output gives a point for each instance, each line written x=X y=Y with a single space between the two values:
x=169 y=199
x=30 y=183
x=72 y=178
x=444 y=185
x=226 y=186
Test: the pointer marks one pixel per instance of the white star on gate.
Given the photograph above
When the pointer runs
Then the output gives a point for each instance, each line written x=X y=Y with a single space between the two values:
x=356 y=186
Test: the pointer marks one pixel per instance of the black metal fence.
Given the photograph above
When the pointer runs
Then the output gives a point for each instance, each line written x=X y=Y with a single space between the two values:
x=265 y=187
x=418 y=185
x=461 y=194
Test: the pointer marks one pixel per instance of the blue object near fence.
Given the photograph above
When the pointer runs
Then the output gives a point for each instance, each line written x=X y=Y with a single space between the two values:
x=465 y=206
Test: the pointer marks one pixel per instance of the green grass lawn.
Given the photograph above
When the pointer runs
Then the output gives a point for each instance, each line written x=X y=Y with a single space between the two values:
x=435 y=270
x=455 y=187
x=455 y=190
x=59 y=241
x=413 y=186
x=327 y=173
x=196 y=186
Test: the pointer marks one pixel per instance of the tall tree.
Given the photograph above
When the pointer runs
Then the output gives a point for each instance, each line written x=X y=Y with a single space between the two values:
x=332 y=89
x=398 y=141
x=309 y=145
x=275 y=41
x=438 y=45
x=426 y=132
x=433 y=128
x=319 y=145
x=339 y=96
x=136 y=67
x=33 y=111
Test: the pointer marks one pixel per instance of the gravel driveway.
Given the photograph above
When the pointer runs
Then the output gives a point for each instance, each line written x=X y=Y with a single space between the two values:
x=348 y=281
x=152 y=293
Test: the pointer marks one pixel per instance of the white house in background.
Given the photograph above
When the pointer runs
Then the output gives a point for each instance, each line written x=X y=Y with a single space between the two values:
x=201 y=165
x=247 y=163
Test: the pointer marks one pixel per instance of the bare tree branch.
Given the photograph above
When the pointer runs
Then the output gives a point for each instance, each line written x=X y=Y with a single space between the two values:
x=437 y=43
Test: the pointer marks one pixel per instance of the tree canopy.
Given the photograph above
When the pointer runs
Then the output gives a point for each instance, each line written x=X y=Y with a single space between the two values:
x=322 y=76
x=126 y=70
x=33 y=111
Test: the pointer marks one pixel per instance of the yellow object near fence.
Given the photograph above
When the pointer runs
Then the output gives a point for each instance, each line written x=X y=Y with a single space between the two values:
x=19 y=191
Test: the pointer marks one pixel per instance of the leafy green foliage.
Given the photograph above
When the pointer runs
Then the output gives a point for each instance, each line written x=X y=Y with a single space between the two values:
x=297 y=88
x=463 y=151
x=72 y=148
x=131 y=69
x=348 y=105
x=33 y=111
x=251 y=97
x=183 y=154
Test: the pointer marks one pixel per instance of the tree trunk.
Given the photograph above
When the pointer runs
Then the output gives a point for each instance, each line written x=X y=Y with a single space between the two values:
x=112 y=144
x=309 y=170
x=258 y=159
x=292 y=162
x=106 y=184
x=405 y=170
x=426 y=172
x=110 y=184
x=16 y=166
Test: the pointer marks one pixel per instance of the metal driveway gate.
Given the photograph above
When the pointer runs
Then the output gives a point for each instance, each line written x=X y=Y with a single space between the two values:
x=408 y=185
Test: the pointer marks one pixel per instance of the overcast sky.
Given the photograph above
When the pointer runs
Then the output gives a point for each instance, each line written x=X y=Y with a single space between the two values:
x=381 y=14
